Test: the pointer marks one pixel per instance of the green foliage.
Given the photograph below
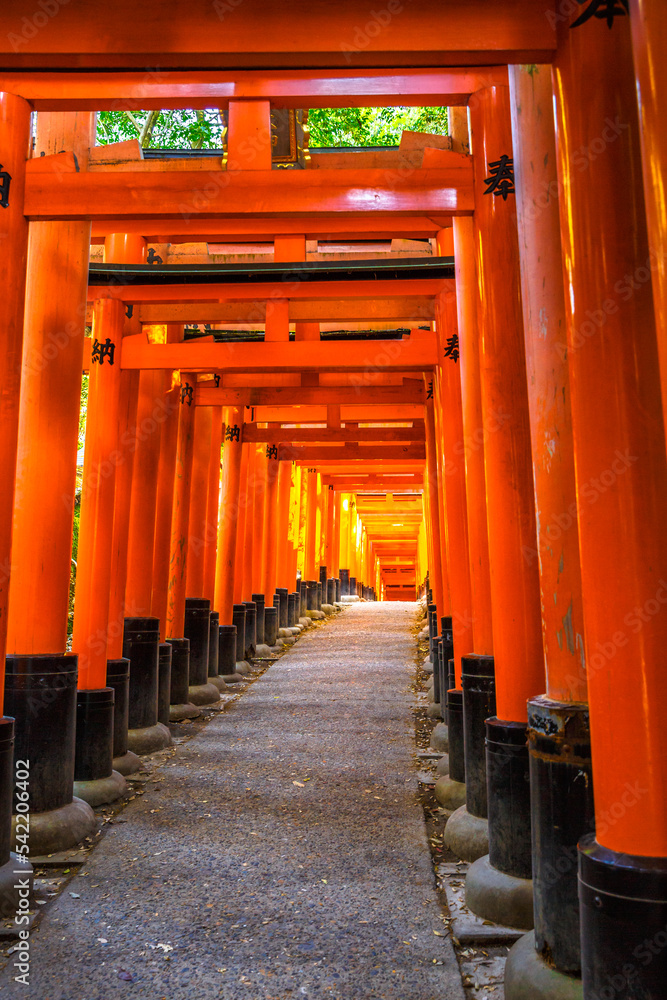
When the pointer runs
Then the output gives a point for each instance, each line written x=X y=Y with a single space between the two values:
x=328 y=126
x=165 y=129
x=372 y=126
x=83 y=409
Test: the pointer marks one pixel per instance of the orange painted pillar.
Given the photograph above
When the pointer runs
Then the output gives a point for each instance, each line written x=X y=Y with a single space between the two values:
x=293 y=539
x=143 y=496
x=558 y=730
x=289 y=250
x=275 y=524
x=259 y=497
x=250 y=537
x=239 y=557
x=249 y=135
x=311 y=569
x=344 y=547
x=649 y=38
x=180 y=511
x=127 y=429
x=213 y=504
x=282 y=575
x=55 y=314
x=92 y=598
x=436 y=567
x=201 y=461
x=448 y=389
x=475 y=432
x=354 y=537
x=229 y=514
x=440 y=510
x=165 y=489
x=330 y=541
x=337 y=501
x=14 y=140
x=515 y=596
x=515 y=600
x=557 y=541
x=621 y=478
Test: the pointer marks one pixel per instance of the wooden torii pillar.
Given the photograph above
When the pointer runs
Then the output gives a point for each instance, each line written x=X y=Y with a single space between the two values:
x=14 y=141
x=558 y=729
x=621 y=483
x=517 y=659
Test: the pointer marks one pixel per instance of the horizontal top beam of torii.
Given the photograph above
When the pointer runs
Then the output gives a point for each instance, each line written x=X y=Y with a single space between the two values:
x=269 y=34
x=331 y=435
x=56 y=190
x=95 y=90
x=418 y=352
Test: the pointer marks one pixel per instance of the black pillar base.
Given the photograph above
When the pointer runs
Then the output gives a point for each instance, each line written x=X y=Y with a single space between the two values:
x=457 y=767
x=292 y=610
x=561 y=789
x=258 y=600
x=344 y=576
x=214 y=652
x=338 y=589
x=499 y=887
x=282 y=593
x=466 y=832
x=227 y=654
x=238 y=619
x=180 y=706
x=250 y=630
x=118 y=678
x=271 y=626
x=508 y=798
x=479 y=704
x=141 y=640
x=94 y=778
x=197 y=628
x=40 y=695
x=164 y=682
x=623 y=907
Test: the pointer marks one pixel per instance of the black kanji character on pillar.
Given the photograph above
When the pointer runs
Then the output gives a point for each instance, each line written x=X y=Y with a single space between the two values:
x=5 y=181
x=102 y=351
x=216 y=379
x=501 y=177
x=187 y=392
x=452 y=349
x=129 y=309
x=153 y=258
x=272 y=451
x=233 y=433
x=429 y=390
x=608 y=9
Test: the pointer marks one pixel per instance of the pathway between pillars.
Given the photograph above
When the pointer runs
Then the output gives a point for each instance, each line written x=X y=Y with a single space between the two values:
x=283 y=856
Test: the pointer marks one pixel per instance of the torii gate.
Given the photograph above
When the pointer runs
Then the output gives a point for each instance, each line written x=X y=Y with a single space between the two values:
x=568 y=360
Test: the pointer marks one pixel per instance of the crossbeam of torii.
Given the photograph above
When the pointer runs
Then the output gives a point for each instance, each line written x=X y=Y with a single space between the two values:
x=223 y=35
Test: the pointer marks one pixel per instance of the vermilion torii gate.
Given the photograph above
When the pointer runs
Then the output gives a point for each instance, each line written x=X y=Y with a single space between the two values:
x=540 y=386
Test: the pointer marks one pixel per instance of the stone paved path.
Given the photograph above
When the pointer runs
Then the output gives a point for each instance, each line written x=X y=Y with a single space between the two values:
x=282 y=857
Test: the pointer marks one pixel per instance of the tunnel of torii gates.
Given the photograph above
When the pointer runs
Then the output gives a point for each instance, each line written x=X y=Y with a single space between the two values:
x=497 y=439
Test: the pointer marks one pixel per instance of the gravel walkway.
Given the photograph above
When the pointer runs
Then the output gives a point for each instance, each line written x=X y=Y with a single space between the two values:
x=283 y=855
